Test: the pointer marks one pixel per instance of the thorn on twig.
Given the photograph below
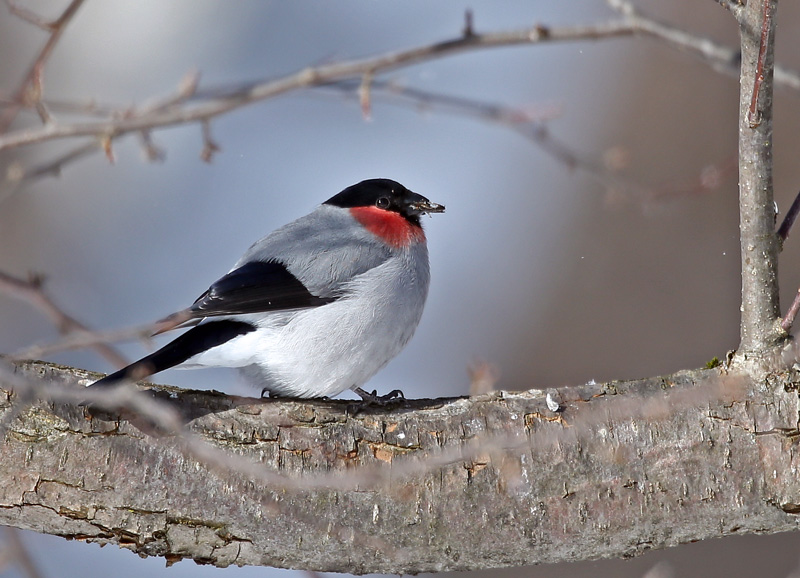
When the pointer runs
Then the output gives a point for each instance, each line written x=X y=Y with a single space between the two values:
x=105 y=143
x=44 y=114
x=788 y=221
x=754 y=113
x=364 y=96
x=541 y=31
x=188 y=85
x=468 y=31
x=32 y=93
x=152 y=152
x=209 y=146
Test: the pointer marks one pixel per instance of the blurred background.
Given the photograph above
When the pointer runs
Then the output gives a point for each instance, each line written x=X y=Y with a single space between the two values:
x=543 y=272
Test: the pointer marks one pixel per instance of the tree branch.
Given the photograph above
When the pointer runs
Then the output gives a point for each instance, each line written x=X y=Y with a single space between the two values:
x=189 y=104
x=313 y=76
x=30 y=92
x=760 y=326
x=633 y=22
x=621 y=468
x=33 y=292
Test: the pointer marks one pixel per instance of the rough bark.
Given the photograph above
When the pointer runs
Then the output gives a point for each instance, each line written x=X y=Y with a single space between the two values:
x=490 y=481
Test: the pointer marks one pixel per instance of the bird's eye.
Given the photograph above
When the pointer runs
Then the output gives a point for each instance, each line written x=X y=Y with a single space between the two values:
x=382 y=203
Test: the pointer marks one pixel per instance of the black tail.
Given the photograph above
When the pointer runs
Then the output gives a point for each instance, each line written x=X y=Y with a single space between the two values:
x=194 y=341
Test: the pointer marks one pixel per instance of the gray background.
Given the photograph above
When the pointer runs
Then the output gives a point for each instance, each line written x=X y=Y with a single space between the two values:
x=537 y=269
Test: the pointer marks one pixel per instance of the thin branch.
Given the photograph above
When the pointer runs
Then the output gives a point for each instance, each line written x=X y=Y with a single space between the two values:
x=633 y=22
x=760 y=326
x=365 y=96
x=32 y=291
x=152 y=151
x=16 y=175
x=210 y=147
x=531 y=124
x=788 y=321
x=754 y=115
x=469 y=29
x=788 y=221
x=83 y=339
x=527 y=122
x=309 y=77
x=32 y=87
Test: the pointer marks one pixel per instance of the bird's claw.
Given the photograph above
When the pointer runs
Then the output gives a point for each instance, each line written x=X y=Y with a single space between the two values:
x=381 y=400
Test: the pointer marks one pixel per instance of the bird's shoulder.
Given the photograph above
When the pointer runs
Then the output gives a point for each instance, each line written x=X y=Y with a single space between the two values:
x=323 y=249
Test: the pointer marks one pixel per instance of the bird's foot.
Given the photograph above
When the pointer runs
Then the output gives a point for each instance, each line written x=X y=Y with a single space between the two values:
x=373 y=398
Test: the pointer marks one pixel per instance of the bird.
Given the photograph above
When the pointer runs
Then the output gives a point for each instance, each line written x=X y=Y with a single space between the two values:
x=316 y=307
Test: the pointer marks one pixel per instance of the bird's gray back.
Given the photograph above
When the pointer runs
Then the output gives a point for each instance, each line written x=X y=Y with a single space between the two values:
x=321 y=250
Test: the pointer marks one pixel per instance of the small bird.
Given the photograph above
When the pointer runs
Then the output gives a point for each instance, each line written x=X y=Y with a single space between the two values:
x=316 y=307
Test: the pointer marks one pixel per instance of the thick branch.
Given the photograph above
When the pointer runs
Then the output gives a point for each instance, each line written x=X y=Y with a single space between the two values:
x=495 y=480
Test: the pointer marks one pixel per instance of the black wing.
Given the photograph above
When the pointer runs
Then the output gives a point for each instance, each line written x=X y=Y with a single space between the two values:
x=256 y=287
x=194 y=341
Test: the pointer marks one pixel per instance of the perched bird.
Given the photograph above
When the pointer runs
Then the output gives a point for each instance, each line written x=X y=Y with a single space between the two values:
x=316 y=307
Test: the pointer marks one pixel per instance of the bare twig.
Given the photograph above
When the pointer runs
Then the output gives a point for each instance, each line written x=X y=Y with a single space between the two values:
x=187 y=88
x=632 y=23
x=32 y=87
x=210 y=147
x=83 y=339
x=531 y=125
x=108 y=149
x=191 y=105
x=152 y=152
x=364 y=96
x=33 y=292
x=17 y=175
x=788 y=320
x=311 y=77
x=723 y=59
x=754 y=115
x=760 y=326
x=788 y=221
x=528 y=122
x=468 y=29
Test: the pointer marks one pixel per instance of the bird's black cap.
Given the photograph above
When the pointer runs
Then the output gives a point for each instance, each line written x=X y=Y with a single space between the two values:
x=388 y=195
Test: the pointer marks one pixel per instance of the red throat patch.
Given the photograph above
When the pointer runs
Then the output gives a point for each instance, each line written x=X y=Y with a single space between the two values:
x=389 y=226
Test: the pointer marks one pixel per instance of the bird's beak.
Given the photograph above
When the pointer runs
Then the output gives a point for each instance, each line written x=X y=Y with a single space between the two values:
x=421 y=205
